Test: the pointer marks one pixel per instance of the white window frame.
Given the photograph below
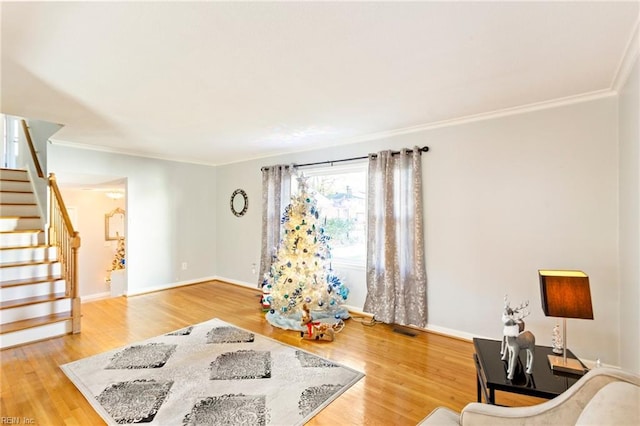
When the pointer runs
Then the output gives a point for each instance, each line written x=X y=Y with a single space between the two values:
x=328 y=170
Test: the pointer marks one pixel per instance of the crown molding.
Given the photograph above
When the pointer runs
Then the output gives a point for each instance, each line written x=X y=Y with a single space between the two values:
x=522 y=109
x=110 y=150
x=536 y=106
x=629 y=58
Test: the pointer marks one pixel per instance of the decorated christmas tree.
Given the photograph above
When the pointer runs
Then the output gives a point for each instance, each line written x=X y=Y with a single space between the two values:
x=118 y=259
x=301 y=271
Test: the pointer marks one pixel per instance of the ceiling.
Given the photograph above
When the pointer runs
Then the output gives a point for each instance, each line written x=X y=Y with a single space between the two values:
x=222 y=82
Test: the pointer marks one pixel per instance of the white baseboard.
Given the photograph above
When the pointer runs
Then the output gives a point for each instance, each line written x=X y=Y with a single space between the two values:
x=189 y=282
x=95 y=296
x=253 y=286
x=168 y=286
x=354 y=310
x=430 y=328
x=452 y=333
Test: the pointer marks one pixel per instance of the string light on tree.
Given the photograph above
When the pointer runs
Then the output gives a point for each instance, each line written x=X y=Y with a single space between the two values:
x=301 y=269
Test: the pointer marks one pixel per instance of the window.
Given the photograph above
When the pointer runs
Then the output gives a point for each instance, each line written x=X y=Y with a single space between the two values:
x=10 y=141
x=341 y=193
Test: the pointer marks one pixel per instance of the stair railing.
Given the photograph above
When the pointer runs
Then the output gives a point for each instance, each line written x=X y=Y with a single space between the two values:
x=32 y=149
x=67 y=240
x=61 y=234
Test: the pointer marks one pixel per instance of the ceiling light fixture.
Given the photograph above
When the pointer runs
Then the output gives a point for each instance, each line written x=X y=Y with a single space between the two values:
x=114 y=195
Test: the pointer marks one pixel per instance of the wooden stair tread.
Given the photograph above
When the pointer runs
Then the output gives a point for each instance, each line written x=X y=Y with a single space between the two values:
x=13 y=191
x=34 y=322
x=28 y=263
x=35 y=246
x=32 y=300
x=22 y=231
x=19 y=217
x=15 y=179
x=27 y=281
x=18 y=204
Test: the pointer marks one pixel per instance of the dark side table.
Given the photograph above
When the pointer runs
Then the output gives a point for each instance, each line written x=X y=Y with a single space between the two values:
x=492 y=373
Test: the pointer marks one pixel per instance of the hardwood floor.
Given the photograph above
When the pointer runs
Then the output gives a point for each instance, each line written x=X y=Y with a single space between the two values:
x=406 y=377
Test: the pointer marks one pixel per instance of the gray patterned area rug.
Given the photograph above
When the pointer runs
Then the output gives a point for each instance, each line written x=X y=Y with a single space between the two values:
x=212 y=373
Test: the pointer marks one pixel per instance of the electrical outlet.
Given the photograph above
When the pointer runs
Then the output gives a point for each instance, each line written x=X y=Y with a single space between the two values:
x=253 y=268
x=184 y=266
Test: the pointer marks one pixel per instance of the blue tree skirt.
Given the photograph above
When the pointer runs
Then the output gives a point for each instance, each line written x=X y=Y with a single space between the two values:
x=292 y=322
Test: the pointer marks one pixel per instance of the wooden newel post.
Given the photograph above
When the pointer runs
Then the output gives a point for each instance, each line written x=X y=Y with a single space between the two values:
x=75 y=300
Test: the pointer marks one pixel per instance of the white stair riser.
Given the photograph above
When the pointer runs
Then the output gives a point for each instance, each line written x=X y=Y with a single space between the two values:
x=32 y=290
x=17 y=223
x=15 y=185
x=27 y=254
x=14 y=174
x=19 y=210
x=16 y=338
x=29 y=271
x=18 y=197
x=34 y=311
x=21 y=239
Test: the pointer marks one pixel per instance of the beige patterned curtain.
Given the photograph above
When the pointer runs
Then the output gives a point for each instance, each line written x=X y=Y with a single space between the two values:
x=276 y=195
x=396 y=273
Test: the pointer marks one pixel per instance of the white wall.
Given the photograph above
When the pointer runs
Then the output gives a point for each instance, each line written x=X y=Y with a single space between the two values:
x=40 y=132
x=238 y=242
x=504 y=197
x=95 y=254
x=171 y=214
x=509 y=196
x=629 y=135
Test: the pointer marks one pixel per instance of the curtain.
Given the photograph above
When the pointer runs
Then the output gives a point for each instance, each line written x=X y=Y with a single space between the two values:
x=276 y=195
x=396 y=273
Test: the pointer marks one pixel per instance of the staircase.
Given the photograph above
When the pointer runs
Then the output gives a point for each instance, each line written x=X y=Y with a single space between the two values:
x=35 y=301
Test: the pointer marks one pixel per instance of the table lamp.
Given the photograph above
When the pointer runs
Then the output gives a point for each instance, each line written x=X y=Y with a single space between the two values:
x=565 y=294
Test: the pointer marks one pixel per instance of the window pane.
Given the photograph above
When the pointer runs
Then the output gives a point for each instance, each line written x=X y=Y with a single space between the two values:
x=342 y=198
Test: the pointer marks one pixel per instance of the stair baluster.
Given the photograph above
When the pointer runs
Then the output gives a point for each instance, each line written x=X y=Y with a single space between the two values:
x=63 y=236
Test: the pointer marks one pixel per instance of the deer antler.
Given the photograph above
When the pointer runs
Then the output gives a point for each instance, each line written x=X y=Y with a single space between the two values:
x=516 y=313
x=521 y=310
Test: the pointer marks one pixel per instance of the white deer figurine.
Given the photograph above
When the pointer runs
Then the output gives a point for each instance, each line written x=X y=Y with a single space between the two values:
x=515 y=338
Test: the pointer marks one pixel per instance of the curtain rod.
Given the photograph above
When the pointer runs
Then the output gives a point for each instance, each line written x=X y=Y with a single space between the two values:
x=421 y=150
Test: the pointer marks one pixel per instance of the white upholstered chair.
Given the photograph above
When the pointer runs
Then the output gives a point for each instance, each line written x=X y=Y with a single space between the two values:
x=603 y=396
